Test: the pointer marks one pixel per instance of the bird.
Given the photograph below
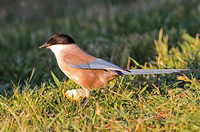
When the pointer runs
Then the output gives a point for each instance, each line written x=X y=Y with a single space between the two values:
x=86 y=70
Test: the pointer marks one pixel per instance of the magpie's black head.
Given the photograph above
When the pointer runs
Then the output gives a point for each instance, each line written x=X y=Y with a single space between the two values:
x=59 y=38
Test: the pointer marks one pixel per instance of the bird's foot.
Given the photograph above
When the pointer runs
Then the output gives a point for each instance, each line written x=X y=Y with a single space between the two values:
x=84 y=102
x=74 y=94
x=87 y=97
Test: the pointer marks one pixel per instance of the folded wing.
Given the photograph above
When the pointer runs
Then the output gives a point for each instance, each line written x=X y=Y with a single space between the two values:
x=100 y=64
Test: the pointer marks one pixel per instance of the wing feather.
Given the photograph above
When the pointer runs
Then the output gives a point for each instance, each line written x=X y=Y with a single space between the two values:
x=98 y=64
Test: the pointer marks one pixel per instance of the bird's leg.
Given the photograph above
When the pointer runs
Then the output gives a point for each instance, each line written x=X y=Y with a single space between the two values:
x=86 y=92
x=87 y=95
x=75 y=94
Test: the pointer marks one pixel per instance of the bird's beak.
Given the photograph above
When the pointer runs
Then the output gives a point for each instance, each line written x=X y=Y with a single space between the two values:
x=45 y=45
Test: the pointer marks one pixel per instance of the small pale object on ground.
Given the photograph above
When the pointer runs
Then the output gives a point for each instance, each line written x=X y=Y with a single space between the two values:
x=74 y=94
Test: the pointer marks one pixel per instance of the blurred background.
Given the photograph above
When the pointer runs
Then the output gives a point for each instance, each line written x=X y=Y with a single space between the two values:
x=108 y=29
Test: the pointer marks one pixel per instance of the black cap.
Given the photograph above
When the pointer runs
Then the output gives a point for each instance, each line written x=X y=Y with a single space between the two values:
x=59 y=38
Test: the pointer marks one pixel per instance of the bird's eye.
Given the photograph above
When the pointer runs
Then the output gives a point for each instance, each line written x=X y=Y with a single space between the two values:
x=51 y=41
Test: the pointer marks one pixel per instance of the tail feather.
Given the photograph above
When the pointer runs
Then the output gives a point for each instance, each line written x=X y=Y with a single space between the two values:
x=152 y=71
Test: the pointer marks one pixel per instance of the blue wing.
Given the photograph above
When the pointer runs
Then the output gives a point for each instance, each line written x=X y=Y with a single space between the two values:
x=99 y=64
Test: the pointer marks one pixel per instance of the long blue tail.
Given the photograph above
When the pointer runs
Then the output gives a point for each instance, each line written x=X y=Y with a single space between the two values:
x=152 y=71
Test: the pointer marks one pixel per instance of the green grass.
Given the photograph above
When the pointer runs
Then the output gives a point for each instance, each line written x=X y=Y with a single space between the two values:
x=150 y=34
